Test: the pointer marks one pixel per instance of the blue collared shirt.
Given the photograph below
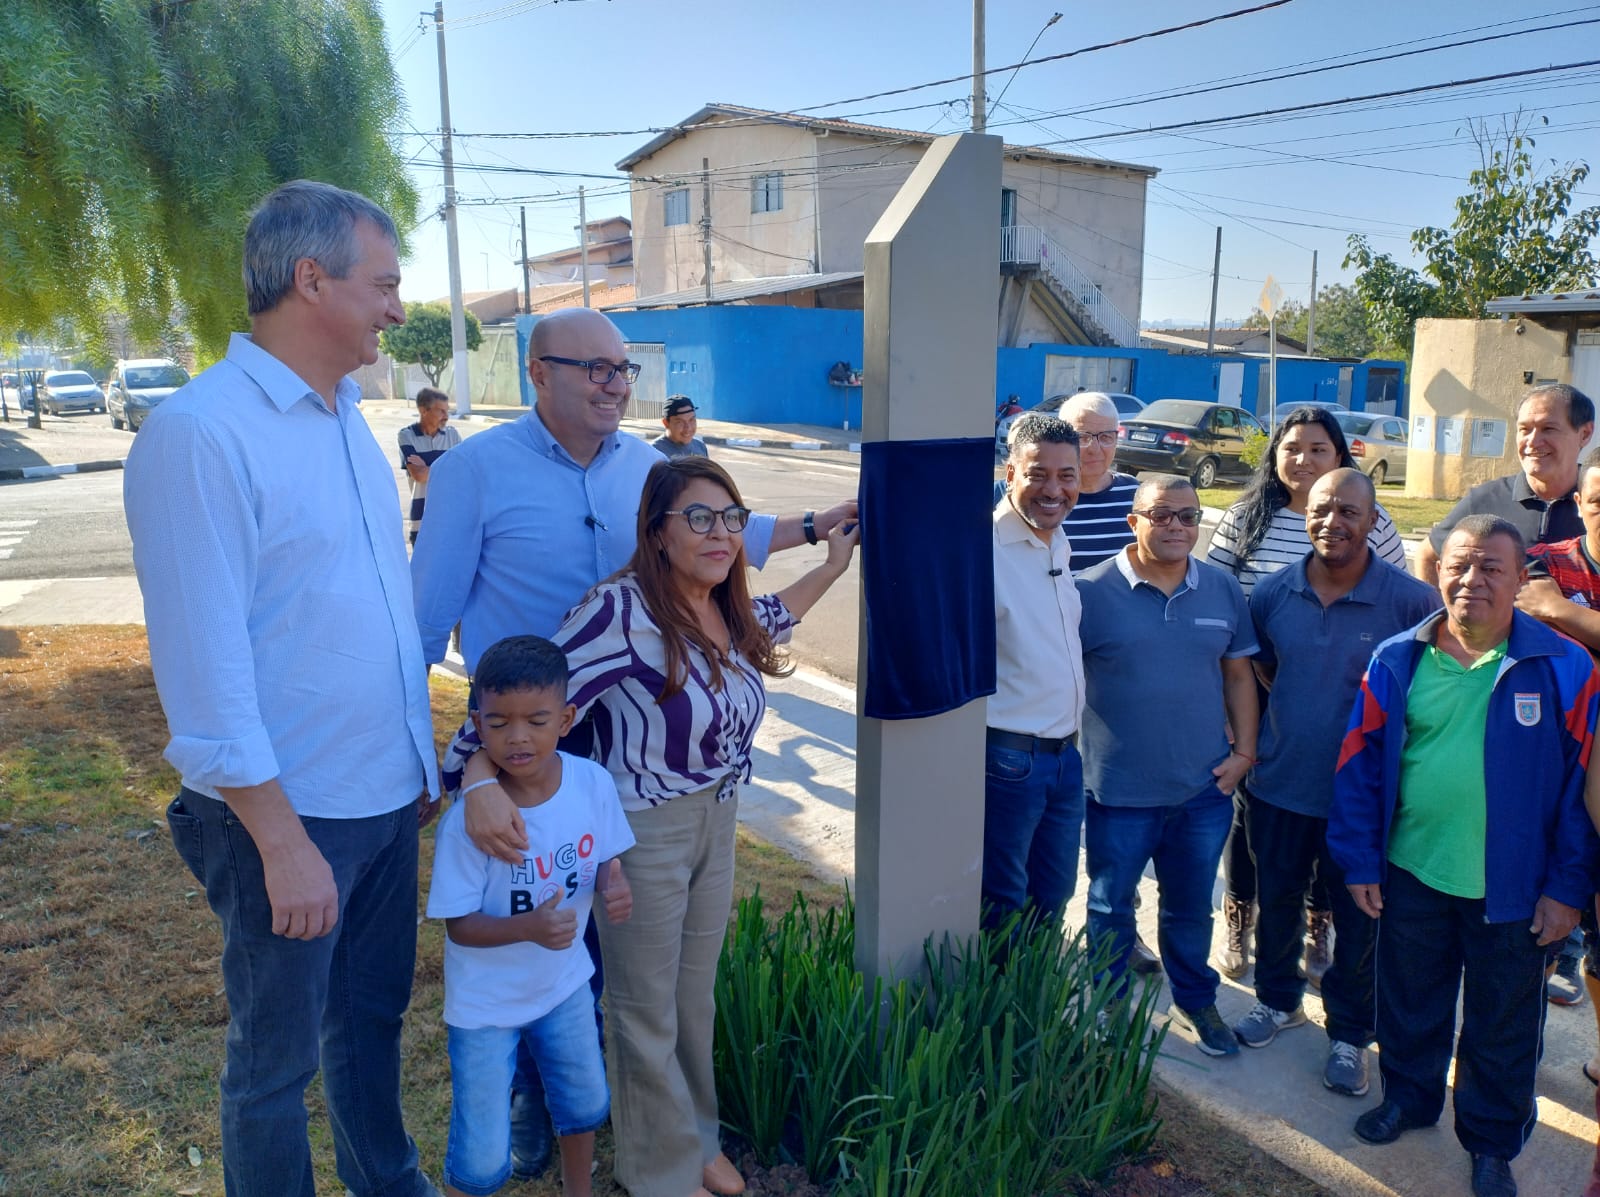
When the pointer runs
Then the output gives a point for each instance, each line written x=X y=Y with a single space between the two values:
x=1155 y=720
x=1319 y=653
x=268 y=548
x=518 y=532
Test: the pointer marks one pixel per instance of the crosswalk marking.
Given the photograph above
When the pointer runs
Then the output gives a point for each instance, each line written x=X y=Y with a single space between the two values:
x=12 y=533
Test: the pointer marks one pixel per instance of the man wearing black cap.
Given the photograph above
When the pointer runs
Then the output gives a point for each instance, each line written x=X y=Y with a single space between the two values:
x=679 y=439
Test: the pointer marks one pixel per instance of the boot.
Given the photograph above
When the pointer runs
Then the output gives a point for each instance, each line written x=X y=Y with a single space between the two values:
x=1319 y=945
x=1239 y=920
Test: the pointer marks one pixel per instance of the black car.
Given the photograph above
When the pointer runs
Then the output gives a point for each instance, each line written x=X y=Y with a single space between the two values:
x=1201 y=441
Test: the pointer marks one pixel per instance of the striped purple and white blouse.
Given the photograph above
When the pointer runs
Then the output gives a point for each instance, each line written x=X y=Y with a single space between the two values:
x=655 y=752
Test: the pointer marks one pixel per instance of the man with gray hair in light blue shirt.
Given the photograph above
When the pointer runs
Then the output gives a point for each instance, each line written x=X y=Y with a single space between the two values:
x=286 y=653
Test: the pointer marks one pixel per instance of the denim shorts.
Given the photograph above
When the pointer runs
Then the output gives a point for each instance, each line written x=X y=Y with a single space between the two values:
x=566 y=1045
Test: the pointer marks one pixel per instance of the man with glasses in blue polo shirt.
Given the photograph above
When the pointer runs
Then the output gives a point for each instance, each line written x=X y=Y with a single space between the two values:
x=1167 y=642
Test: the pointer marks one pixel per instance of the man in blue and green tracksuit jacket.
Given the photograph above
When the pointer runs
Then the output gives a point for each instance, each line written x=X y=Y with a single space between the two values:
x=1458 y=820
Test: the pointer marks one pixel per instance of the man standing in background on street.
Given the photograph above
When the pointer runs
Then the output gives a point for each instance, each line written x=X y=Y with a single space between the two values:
x=286 y=654
x=680 y=440
x=422 y=444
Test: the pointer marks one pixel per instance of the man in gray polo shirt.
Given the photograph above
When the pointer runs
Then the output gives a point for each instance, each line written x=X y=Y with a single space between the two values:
x=1318 y=621
x=1167 y=642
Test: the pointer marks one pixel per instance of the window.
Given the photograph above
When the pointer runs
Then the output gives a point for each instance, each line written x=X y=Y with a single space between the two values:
x=766 y=192
x=677 y=207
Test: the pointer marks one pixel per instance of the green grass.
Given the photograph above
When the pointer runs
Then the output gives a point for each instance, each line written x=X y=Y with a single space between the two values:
x=1409 y=515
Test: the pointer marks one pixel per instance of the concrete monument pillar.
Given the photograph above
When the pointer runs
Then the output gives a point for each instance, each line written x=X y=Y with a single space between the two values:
x=931 y=321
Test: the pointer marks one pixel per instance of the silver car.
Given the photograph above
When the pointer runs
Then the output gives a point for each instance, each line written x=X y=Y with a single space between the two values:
x=1378 y=443
x=69 y=390
x=136 y=386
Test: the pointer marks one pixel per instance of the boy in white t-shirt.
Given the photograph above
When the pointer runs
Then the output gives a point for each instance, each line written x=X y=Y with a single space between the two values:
x=515 y=968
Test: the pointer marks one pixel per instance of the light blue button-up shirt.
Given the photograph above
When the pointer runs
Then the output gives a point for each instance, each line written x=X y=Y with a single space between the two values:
x=267 y=541
x=517 y=533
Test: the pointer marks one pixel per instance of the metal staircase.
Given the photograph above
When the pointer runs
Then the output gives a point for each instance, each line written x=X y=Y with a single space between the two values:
x=1038 y=268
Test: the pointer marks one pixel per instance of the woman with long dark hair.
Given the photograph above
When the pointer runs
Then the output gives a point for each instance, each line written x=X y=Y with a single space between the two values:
x=1259 y=535
x=668 y=658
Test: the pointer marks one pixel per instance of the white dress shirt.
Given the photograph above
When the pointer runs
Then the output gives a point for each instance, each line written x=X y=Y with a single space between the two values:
x=276 y=592
x=1038 y=661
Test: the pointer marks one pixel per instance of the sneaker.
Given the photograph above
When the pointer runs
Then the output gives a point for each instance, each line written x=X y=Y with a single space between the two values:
x=1261 y=1026
x=1212 y=1035
x=1564 y=987
x=1346 y=1071
x=531 y=1136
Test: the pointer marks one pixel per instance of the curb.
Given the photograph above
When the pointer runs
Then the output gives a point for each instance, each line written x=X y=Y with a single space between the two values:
x=29 y=473
x=751 y=442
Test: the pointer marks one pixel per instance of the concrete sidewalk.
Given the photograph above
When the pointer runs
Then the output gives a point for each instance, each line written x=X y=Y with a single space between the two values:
x=71 y=444
x=803 y=800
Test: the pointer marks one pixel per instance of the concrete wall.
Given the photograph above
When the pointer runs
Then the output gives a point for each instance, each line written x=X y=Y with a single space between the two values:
x=672 y=259
x=1474 y=370
x=1096 y=214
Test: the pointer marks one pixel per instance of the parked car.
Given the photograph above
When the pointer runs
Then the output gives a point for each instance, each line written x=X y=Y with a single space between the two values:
x=69 y=390
x=1325 y=404
x=1127 y=405
x=137 y=385
x=1202 y=441
x=1378 y=443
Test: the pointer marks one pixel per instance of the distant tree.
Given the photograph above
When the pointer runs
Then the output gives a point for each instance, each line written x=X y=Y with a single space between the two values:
x=136 y=137
x=1341 y=322
x=1514 y=232
x=424 y=339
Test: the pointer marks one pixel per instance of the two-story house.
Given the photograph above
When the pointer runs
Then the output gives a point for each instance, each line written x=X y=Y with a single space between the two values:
x=793 y=197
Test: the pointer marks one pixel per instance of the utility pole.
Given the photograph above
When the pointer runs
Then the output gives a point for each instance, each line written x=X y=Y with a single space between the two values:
x=458 y=316
x=705 y=218
x=1216 y=273
x=583 y=244
x=1311 y=312
x=527 y=277
x=980 y=100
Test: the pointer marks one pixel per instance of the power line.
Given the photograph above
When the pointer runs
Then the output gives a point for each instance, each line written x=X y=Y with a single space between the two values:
x=1000 y=70
x=1378 y=95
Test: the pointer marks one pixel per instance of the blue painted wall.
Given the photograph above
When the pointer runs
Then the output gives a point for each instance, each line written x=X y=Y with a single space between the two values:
x=1158 y=374
x=749 y=365
x=769 y=365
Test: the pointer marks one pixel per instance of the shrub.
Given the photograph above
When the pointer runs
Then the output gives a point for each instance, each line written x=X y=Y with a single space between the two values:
x=1006 y=1069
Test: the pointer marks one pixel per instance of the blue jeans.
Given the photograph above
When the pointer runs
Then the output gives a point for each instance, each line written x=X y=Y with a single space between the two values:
x=1185 y=841
x=1032 y=818
x=566 y=1047
x=296 y=1005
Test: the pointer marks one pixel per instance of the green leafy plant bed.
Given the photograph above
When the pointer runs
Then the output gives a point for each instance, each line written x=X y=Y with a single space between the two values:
x=1005 y=1068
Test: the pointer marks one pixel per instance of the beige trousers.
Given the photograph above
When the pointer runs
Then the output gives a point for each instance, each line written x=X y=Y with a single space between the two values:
x=661 y=969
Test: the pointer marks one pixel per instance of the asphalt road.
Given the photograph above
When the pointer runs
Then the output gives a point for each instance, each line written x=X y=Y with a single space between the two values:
x=73 y=527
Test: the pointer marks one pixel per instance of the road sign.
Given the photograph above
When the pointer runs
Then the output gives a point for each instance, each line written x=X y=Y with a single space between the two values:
x=1271 y=298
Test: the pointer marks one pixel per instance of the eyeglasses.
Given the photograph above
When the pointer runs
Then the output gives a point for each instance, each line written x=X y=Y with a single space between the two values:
x=600 y=372
x=1162 y=516
x=1106 y=440
x=701 y=518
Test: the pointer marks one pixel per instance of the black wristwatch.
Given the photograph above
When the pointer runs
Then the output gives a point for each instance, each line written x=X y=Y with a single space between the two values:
x=809 y=527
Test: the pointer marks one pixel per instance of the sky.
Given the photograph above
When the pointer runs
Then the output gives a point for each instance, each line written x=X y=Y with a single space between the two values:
x=1279 y=186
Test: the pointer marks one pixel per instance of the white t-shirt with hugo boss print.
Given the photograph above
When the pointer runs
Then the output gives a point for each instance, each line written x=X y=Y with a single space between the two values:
x=580 y=826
